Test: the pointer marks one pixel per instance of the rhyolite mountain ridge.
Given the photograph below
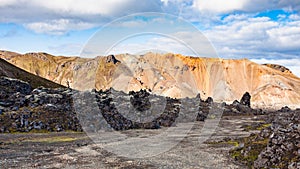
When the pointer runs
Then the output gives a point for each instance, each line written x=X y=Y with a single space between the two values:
x=174 y=75
x=10 y=71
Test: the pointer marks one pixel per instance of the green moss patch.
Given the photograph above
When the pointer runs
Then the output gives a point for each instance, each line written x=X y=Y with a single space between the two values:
x=250 y=151
x=51 y=139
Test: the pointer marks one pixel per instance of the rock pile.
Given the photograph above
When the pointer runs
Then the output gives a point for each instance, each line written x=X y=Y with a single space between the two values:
x=10 y=86
x=144 y=110
x=283 y=148
x=23 y=109
x=277 y=145
x=122 y=111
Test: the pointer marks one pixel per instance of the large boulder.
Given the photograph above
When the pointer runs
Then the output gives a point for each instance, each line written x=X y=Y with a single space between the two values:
x=111 y=59
x=245 y=100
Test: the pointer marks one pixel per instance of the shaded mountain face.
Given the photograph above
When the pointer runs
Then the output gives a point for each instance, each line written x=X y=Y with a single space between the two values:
x=11 y=71
x=171 y=75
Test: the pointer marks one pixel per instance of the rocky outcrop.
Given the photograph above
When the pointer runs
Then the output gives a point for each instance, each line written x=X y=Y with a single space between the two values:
x=136 y=110
x=141 y=109
x=283 y=148
x=275 y=144
x=245 y=100
x=42 y=109
x=112 y=59
x=24 y=109
x=279 y=68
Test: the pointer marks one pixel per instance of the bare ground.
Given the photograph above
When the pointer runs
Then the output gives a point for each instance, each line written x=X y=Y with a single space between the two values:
x=77 y=150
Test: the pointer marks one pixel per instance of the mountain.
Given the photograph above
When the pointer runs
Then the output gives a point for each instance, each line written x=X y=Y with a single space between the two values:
x=11 y=71
x=174 y=75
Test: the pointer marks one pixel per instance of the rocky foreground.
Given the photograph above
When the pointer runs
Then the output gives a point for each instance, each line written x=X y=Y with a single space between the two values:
x=277 y=145
x=24 y=109
x=274 y=142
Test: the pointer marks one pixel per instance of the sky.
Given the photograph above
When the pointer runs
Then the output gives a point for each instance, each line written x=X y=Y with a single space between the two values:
x=264 y=31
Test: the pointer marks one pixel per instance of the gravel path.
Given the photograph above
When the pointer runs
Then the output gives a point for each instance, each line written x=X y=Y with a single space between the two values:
x=77 y=150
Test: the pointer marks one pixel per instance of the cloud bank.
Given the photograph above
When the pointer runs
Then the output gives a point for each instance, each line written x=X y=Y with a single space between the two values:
x=256 y=29
x=61 y=16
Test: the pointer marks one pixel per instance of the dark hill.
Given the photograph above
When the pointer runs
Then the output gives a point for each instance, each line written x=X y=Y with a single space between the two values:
x=11 y=71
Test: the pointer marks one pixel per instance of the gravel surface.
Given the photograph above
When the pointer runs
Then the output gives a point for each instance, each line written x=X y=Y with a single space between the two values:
x=77 y=150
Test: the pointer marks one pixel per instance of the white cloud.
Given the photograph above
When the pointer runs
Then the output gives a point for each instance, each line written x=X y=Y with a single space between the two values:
x=281 y=16
x=132 y=24
x=99 y=12
x=41 y=16
x=256 y=37
x=284 y=37
x=165 y=2
x=235 y=17
x=87 y=7
x=294 y=17
x=8 y=2
x=140 y=44
x=186 y=43
x=219 y=6
x=83 y=7
x=57 y=27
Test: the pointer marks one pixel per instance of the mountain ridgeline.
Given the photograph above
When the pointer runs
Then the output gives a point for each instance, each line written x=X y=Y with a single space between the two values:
x=173 y=75
x=11 y=71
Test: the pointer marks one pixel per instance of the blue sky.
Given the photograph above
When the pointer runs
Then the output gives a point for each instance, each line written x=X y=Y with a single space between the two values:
x=261 y=30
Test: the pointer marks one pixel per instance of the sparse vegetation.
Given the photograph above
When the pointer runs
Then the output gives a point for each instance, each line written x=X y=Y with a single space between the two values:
x=51 y=139
x=249 y=152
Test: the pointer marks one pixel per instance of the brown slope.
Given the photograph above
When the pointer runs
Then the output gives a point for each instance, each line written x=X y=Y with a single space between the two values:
x=11 y=71
x=7 y=54
x=170 y=75
x=58 y=69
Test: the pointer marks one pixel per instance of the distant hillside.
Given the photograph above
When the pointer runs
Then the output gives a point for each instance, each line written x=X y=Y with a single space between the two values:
x=278 y=67
x=171 y=75
x=11 y=71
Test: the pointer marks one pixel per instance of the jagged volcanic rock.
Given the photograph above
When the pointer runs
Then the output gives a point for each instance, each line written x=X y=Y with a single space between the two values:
x=111 y=59
x=24 y=109
x=245 y=100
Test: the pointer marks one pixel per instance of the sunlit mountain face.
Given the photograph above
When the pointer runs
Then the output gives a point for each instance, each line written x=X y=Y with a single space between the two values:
x=172 y=75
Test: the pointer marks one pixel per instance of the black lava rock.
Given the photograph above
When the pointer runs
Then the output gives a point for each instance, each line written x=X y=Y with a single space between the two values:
x=245 y=100
x=111 y=59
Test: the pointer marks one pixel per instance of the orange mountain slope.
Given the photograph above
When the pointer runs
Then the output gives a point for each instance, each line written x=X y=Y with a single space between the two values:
x=11 y=71
x=171 y=75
